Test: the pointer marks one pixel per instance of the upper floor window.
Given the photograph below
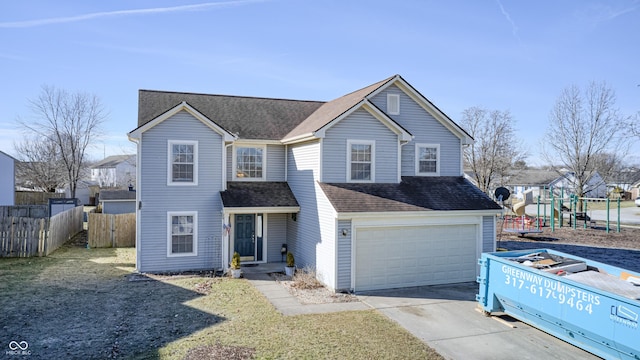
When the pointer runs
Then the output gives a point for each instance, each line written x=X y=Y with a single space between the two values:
x=183 y=162
x=427 y=159
x=250 y=162
x=182 y=233
x=393 y=104
x=361 y=161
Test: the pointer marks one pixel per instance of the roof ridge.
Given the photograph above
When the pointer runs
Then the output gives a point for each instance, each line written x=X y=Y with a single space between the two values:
x=231 y=96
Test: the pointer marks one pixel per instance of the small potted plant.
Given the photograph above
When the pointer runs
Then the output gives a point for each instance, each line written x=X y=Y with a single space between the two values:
x=235 y=265
x=291 y=263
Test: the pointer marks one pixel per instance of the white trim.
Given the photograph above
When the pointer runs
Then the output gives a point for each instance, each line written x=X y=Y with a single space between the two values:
x=170 y=215
x=393 y=99
x=139 y=182
x=264 y=210
x=372 y=143
x=234 y=161
x=365 y=105
x=407 y=214
x=429 y=107
x=137 y=133
x=170 y=144
x=417 y=159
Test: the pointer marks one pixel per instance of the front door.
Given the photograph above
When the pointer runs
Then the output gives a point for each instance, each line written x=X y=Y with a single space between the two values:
x=245 y=237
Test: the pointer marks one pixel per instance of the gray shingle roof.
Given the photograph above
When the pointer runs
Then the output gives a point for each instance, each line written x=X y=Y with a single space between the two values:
x=248 y=117
x=258 y=194
x=112 y=161
x=414 y=193
x=533 y=177
x=117 y=195
x=333 y=109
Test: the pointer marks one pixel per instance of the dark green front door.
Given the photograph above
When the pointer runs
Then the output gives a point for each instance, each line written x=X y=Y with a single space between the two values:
x=245 y=241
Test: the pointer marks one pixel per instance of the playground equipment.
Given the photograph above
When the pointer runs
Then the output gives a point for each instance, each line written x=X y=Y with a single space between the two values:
x=520 y=222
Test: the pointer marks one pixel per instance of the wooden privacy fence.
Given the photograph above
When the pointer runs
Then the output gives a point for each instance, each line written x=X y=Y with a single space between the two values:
x=24 y=237
x=112 y=230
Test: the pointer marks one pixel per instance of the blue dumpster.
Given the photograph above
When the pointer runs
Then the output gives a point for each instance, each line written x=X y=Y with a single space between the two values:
x=589 y=304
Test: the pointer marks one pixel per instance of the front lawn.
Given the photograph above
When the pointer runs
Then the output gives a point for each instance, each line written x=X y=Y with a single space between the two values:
x=79 y=303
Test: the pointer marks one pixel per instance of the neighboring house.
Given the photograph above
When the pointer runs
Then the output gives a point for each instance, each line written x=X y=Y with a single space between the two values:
x=84 y=191
x=118 y=201
x=7 y=179
x=541 y=181
x=625 y=183
x=366 y=189
x=115 y=171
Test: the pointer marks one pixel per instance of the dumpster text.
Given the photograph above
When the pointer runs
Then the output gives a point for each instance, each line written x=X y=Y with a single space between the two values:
x=543 y=287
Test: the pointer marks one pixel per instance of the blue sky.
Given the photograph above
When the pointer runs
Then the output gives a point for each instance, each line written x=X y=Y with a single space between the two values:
x=504 y=55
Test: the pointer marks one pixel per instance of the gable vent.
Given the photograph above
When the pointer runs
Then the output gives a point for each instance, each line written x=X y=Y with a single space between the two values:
x=393 y=104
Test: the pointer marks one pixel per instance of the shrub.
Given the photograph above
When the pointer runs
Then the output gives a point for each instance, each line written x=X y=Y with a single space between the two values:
x=235 y=261
x=305 y=279
x=290 y=260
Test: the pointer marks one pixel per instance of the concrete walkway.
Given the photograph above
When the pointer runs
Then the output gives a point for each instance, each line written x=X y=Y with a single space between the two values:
x=445 y=317
x=289 y=305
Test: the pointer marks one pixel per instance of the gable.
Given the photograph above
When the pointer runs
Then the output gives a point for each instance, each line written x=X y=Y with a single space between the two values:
x=246 y=117
x=427 y=105
x=136 y=134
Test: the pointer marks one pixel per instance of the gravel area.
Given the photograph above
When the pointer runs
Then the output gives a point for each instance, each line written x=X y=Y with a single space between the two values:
x=311 y=294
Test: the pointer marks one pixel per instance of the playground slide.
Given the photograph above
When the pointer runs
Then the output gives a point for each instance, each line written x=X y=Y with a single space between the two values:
x=518 y=208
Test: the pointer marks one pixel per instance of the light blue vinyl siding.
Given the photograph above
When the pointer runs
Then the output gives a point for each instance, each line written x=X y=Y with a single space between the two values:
x=276 y=235
x=311 y=237
x=275 y=162
x=360 y=125
x=303 y=234
x=425 y=129
x=157 y=198
x=488 y=237
x=344 y=256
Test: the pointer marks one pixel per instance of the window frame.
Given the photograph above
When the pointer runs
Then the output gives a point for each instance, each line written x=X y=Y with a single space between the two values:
x=372 y=143
x=170 y=215
x=417 y=159
x=396 y=100
x=170 y=144
x=234 y=164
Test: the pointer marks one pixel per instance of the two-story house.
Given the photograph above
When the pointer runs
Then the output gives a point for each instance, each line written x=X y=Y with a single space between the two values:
x=115 y=171
x=367 y=189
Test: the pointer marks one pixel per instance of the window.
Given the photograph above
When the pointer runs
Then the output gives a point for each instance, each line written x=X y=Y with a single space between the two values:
x=183 y=163
x=249 y=163
x=361 y=160
x=393 y=104
x=427 y=159
x=182 y=233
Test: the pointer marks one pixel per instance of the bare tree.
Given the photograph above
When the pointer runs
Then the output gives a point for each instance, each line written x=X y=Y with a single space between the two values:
x=495 y=150
x=71 y=121
x=584 y=133
x=40 y=165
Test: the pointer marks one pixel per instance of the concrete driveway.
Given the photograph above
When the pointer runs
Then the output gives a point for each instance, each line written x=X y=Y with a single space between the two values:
x=446 y=318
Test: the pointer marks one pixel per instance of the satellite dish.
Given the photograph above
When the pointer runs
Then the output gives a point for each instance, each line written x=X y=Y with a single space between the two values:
x=502 y=193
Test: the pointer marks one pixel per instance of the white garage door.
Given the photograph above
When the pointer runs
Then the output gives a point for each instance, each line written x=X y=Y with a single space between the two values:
x=393 y=257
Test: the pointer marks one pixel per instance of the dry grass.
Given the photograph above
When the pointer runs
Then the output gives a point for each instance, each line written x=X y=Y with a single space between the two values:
x=79 y=303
